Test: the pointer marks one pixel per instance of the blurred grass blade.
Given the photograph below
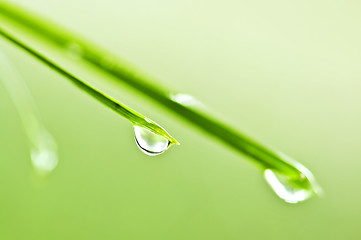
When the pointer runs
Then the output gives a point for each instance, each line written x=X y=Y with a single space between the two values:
x=98 y=58
x=44 y=156
x=134 y=117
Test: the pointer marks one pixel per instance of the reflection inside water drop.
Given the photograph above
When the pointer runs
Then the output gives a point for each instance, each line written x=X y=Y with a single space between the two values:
x=289 y=189
x=150 y=143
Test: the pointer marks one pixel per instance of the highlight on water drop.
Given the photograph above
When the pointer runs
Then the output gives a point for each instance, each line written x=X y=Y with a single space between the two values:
x=149 y=142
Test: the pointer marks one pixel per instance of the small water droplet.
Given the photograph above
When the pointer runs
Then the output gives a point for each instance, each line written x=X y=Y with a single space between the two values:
x=187 y=100
x=43 y=155
x=292 y=190
x=150 y=143
x=43 y=160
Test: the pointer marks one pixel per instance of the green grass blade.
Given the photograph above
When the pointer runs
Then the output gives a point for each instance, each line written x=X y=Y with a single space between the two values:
x=133 y=116
x=43 y=146
x=106 y=62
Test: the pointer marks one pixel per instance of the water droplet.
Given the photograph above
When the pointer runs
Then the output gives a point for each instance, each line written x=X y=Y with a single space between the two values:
x=187 y=100
x=43 y=155
x=292 y=190
x=43 y=160
x=150 y=143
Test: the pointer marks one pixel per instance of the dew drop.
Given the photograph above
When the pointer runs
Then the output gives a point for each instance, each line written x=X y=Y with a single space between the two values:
x=184 y=99
x=150 y=143
x=43 y=155
x=291 y=190
x=44 y=160
x=188 y=100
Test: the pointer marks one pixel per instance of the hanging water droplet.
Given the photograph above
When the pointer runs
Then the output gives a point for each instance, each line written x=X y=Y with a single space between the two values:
x=150 y=143
x=43 y=155
x=44 y=160
x=292 y=190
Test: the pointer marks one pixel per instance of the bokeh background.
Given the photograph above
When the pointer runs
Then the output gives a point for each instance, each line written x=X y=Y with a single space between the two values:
x=285 y=72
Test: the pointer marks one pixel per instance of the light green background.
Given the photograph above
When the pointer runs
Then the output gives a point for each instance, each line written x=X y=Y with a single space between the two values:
x=285 y=72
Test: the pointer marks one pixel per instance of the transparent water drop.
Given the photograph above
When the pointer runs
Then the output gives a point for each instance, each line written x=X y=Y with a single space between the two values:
x=188 y=100
x=150 y=143
x=184 y=99
x=291 y=190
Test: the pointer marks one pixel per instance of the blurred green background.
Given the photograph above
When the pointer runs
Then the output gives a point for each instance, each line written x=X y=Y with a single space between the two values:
x=285 y=72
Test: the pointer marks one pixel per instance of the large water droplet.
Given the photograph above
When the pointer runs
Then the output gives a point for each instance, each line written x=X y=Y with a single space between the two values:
x=290 y=189
x=150 y=143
